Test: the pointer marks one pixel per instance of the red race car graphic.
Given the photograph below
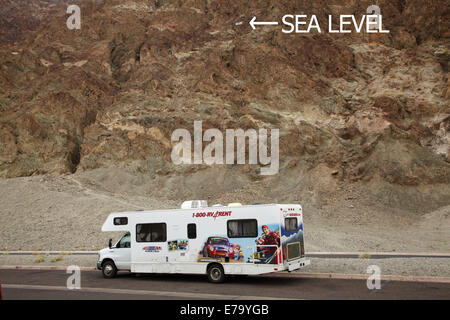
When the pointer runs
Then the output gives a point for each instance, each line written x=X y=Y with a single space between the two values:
x=218 y=247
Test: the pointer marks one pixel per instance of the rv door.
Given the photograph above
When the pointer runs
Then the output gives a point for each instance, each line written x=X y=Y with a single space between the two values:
x=122 y=252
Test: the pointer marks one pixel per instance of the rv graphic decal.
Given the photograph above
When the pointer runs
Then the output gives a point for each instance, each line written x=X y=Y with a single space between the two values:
x=178 y=245
x=152 y=249
x=263 y=249
x=211 y=214
x=292 y=241
x=267 y=246
x=219 y=248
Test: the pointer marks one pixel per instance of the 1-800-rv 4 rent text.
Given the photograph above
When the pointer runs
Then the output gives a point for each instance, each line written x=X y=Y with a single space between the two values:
x=216 y=241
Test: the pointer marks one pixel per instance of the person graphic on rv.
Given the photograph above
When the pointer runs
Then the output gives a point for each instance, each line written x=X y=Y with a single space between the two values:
x=266 y=245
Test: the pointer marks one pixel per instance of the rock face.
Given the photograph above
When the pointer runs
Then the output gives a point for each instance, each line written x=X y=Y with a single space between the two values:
x=19 y=17
x=358 y=108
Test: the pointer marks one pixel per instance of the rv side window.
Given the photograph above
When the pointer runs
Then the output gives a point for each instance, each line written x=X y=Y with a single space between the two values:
x=120 y=221
x=242 y=228
x=291 y=224
x=192 y=231
x=125 y=241
x=151 y=232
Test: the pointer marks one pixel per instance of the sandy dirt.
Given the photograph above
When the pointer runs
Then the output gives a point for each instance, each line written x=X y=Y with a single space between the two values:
x=66 y=213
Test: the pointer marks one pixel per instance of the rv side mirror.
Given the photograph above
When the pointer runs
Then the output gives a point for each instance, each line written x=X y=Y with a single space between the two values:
x=110 y=243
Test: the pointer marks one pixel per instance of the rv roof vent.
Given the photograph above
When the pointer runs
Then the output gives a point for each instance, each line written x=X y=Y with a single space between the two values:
x=194 y=204
x=234 y=204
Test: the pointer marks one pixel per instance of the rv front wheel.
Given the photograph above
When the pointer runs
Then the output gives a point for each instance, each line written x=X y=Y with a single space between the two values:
x=109 y=269
x=215 y=273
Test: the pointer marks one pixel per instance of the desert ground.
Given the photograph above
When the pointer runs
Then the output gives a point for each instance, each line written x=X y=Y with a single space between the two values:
x=66 y=212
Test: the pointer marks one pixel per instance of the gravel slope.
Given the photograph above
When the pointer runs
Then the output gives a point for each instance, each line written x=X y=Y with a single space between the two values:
x=66 y=213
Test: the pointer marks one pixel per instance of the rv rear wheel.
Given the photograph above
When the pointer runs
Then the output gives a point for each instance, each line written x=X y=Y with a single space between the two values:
x=215 y=273
x=109 y=269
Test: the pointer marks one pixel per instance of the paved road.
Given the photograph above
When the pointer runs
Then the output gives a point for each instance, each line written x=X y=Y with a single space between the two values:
x=44 y=284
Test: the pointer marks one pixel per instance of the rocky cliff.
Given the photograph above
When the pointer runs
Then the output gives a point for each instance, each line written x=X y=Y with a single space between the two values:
x=365 y=110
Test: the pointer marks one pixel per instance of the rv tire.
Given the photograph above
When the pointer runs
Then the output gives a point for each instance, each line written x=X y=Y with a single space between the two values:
x=109 y=269
x=215 y=273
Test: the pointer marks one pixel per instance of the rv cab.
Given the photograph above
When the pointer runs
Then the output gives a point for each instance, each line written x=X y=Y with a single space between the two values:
x=117 y=257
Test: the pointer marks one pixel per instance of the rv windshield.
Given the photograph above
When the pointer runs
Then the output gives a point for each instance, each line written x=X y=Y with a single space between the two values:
x=218 y=241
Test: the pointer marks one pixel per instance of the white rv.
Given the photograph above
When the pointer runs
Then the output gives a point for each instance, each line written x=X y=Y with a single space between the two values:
x=216 y=241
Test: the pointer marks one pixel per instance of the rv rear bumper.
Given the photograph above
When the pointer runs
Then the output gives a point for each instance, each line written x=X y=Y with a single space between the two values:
x=297 y=264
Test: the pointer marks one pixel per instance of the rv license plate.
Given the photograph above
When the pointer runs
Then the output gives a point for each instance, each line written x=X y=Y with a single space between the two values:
x=294 y=266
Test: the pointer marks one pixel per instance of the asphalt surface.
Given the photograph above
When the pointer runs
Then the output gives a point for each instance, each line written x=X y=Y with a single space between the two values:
x=45 y=284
